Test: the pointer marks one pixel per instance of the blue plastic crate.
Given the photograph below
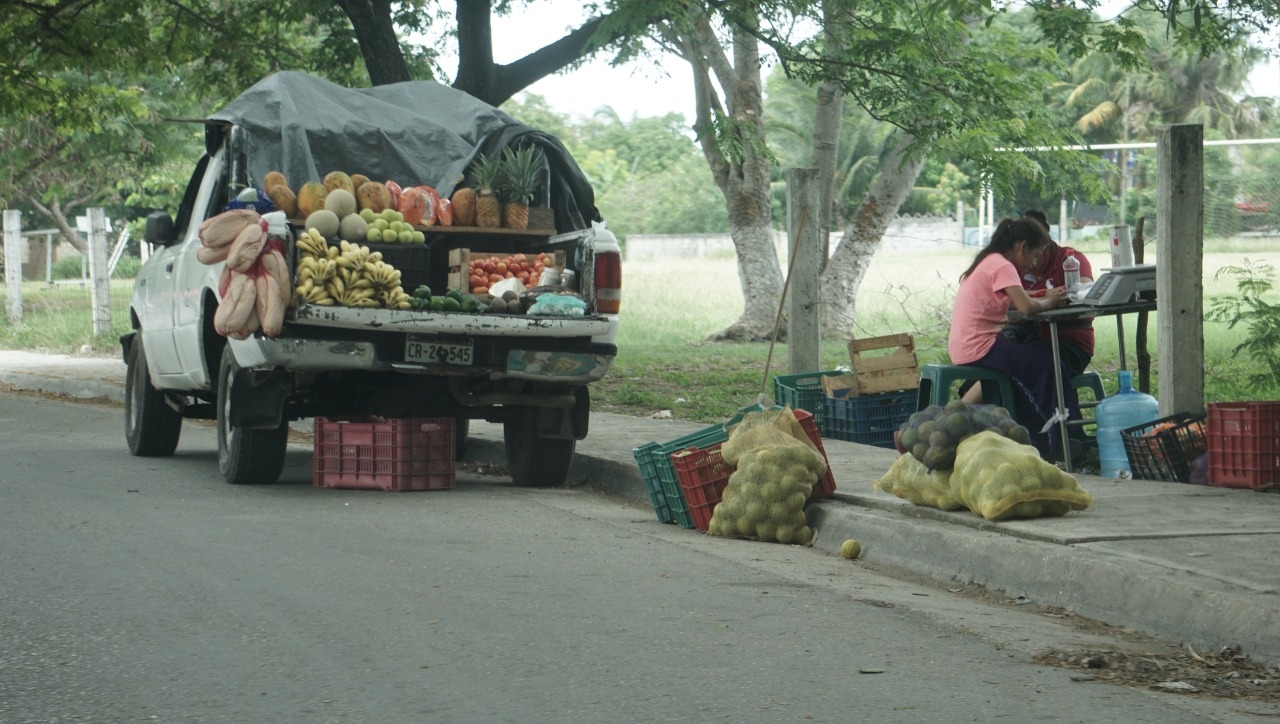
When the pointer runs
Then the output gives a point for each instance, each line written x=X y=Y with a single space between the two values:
x=866 y=419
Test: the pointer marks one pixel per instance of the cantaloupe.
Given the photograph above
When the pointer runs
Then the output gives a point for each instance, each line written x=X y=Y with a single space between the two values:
x=352 y=228
x=323 y=221
x=340 y=202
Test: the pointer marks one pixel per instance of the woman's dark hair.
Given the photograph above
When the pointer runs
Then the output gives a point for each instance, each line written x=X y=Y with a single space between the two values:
x=1008 y=233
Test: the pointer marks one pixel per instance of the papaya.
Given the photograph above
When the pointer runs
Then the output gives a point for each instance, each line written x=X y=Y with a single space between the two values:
x=284 y=199
x=311 y=198
x=273 y=179
x=338 y=180
x=356 y=180
x=375 y=197
x=415 y=205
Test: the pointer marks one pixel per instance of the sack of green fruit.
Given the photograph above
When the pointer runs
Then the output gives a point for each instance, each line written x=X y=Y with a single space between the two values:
x=933 y=434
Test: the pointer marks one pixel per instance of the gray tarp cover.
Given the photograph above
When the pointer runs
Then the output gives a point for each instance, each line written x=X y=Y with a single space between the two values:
x=414 y=133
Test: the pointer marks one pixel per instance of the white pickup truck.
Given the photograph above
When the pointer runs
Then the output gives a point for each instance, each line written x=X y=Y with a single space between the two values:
x=530 y=373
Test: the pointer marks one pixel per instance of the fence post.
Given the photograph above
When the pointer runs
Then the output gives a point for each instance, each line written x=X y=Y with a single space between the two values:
x=13 y=264
x=804 y=318
x=99 y=276
x=1180 y=267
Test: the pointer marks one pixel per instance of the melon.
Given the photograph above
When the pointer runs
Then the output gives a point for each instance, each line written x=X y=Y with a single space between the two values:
x=340 y=202
x=352 y=228
x=323 y=221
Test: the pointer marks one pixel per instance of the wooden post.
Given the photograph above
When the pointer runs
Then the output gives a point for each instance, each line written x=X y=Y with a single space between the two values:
x=1140 y=333
x=13 y=264
x=1180 y=267
x=804 y=318
x=99 y=276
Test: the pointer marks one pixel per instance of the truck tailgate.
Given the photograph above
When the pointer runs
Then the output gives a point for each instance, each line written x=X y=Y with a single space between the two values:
x=396 y=320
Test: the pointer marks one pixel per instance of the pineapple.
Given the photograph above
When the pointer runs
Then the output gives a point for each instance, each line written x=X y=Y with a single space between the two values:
x=518 y=182
x=486 y=172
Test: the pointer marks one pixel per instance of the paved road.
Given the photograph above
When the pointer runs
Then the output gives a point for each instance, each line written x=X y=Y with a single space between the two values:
x=148 y=590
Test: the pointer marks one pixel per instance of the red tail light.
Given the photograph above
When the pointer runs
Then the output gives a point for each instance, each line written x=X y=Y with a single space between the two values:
x=608 y=280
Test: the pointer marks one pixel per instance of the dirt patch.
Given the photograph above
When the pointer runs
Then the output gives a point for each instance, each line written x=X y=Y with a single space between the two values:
x=1225 y=673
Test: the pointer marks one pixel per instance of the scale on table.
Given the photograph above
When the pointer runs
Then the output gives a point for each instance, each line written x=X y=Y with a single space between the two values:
x=1121 y=284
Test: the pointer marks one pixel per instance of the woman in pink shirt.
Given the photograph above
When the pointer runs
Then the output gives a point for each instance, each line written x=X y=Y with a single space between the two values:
x=988 y=287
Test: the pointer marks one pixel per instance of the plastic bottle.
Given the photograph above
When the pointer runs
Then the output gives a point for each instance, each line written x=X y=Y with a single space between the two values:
x=1126 y=408
x=1071 y=272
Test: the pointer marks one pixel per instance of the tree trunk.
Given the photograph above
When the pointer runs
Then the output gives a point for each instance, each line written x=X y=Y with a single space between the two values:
x=55 y=213
x=743 y=175
x=843 y=276
x=371 y=21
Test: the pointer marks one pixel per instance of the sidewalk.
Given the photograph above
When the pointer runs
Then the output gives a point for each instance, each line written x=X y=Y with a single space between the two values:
x=1197 y=564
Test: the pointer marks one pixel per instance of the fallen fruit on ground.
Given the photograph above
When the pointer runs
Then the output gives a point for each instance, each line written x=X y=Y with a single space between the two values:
x=851 y=549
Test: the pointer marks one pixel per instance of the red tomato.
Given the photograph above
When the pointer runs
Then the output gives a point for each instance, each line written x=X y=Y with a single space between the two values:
x=494 y=278
x=524 y=276
x=489 y=266
x=501 y=267
x=476 y=281
x=508 y=275
x=480 y=290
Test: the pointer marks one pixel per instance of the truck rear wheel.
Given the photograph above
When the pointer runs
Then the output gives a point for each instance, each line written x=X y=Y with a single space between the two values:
x=533 y=460
x=150 y=425
x=246 y=456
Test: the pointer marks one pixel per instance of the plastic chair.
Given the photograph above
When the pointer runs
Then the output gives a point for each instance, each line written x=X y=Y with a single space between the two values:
x=936 y=382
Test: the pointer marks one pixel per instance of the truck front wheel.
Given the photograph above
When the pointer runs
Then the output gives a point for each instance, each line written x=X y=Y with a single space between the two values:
x=151 y=427
x=533 y=460
x=246 y=456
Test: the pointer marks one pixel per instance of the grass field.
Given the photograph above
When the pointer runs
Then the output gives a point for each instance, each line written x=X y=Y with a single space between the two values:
x=671 y=306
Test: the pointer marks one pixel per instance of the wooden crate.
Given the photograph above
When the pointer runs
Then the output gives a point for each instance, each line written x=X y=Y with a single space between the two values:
x=460 y=263
x=880 y=364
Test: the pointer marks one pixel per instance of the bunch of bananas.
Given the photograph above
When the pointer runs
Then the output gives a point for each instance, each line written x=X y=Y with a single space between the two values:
x=348 y=275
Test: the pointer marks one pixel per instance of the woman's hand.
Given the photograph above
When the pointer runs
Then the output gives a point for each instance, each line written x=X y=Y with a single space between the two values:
x=1055 y=297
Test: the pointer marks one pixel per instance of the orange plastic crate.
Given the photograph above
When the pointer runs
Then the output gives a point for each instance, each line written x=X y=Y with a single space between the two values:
x=401 y=454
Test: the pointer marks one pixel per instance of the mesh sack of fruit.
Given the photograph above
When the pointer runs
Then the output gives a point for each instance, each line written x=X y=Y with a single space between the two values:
x=762 y=428
x=910 y=480
x=1001 y=479
x=765 y=496
x=933 y=434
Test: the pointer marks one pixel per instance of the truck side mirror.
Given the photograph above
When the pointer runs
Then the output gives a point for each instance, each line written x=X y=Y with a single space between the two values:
x=159 y=230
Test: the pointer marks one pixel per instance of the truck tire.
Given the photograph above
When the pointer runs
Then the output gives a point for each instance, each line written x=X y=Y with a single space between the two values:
x=532 y=460
x=246 y=456
x=150 y=425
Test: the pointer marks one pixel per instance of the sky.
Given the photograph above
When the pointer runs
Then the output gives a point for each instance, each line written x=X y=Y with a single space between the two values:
x=648 y=88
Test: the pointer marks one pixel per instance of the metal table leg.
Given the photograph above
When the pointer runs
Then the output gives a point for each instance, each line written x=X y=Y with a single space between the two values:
x=1061 y=409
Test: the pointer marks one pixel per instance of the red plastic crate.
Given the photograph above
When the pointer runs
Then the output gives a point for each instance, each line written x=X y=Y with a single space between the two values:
x=1244 y=445
x=399 y=454
x=703 y=474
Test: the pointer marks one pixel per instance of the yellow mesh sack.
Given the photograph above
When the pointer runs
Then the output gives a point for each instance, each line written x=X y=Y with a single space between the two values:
x=1000 y=479
x=910 y=480
x=761 y=428
x=765 y=496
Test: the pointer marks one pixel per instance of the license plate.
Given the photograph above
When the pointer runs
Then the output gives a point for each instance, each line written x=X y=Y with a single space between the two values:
x=418 y=349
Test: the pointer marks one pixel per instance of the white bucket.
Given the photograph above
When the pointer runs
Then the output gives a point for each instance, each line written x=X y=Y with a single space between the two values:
x=1121 y=247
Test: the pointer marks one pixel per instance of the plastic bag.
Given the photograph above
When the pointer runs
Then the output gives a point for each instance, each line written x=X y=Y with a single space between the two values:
x=558 y=305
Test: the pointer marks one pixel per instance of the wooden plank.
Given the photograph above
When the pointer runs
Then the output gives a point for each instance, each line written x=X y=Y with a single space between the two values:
x=889 y=383
x=874 y=343
x=897 y=360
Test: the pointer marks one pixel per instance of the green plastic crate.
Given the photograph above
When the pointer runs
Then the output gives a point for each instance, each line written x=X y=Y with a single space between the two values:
x=803 y=392
x=647 y=463
x=659 y=473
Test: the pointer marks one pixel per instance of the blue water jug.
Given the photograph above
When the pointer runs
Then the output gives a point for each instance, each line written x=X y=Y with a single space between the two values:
x=1126 y=408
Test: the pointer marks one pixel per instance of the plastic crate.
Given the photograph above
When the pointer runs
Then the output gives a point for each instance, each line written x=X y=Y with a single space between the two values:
x=399 y=454
x=1244 y=445
x=802 y=392
x=703 y=475
x=866 y=419
x=654 y=460
x=647 y=462
x=1165 y=455
x=413 y=261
